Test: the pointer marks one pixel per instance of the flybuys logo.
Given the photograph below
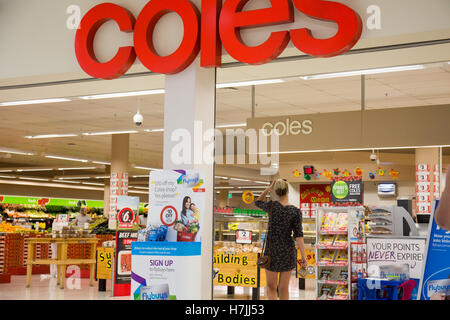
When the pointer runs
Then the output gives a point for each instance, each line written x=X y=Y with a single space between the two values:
x=157 y=292
x=189 y=180
x=155 y=296
x=438 y=286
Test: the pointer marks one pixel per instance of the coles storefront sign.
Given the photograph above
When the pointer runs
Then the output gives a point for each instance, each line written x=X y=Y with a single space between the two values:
x=218 y=25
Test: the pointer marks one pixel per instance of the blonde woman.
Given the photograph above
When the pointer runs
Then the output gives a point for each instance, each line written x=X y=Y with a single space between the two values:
x=285 y=226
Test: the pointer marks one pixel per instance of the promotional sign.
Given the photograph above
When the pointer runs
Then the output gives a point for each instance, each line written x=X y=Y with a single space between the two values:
x=127 y=211
x=312 y=197
x=243 y=236
x=396 y=257
x=237 y=269
x=311 y=263
x=177 y=200
x=122 y=265
x=51 y=201
x=346 y=191
x=168 y=264
x=166 y=271
x=435 y=280
x=248 y=197
x=61 y=220
x=104 y=262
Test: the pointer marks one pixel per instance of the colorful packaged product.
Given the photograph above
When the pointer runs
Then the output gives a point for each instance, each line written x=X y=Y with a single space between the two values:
x=328 y=221
x=326 y=240
x=341 y=290
x=341 y=256
x=327 y=256
x=341 y=222
x=326 y=274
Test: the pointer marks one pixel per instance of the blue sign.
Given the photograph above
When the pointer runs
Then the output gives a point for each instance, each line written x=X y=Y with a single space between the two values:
x=435 y=282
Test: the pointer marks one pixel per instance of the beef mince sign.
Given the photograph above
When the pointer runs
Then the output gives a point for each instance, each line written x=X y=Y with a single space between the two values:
x=217 y=25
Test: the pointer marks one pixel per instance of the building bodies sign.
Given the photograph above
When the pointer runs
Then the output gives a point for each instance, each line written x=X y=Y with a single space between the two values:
x=218 y=25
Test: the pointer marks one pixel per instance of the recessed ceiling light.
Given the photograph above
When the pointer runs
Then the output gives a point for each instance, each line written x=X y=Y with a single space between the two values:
x=248 y=83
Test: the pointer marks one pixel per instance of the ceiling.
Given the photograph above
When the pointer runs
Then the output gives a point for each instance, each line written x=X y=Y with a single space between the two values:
x=430 y=86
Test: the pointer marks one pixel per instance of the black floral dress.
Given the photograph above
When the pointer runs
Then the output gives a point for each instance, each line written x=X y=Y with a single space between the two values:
x=285 y=226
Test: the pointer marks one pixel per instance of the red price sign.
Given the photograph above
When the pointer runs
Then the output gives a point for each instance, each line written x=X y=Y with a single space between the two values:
x=243 y=236
x=126 y=218
x=169 y=215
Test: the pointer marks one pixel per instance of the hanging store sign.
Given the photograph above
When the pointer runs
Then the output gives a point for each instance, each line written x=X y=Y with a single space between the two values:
x=217 y=25
x=346 y=191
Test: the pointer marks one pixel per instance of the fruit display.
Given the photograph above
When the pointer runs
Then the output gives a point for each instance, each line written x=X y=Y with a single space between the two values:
x=100 y=226
x=9 y=228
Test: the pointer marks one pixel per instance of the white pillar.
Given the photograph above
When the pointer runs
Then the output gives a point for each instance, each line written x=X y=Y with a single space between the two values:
x=190 y=98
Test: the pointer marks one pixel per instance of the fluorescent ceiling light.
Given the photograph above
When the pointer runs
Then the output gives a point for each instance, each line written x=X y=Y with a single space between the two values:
x=23 y=102
x=144 y=188
x=9 y=170
x=220 y=177
x=102 y=162
x=361 y=72
x=8 y=177
x=141 y=176
x=66 y=158
x=102 y=177
x=66 y=181
x=146 y=168
x=108 y=133
x=237 y=179
x=74 y=178
x=223 y=188
x=232 y=125
x=248 y=83
x=123 y=94
x=36 y=179
x=354 y=149
x=48 y=136
x=93 y=183
x=79 y=168
x=31 y=169
x=13 y=151
x=262 y=182
x=252 y=187
x=154 y=130
x=135 y=191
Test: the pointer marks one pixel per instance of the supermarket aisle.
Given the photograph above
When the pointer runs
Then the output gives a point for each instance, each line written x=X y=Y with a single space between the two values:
x=44 y=288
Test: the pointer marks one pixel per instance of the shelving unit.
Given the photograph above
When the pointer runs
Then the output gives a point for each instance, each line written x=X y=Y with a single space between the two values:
x=336 y=228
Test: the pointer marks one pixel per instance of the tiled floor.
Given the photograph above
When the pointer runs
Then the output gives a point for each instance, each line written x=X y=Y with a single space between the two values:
x=43 y=287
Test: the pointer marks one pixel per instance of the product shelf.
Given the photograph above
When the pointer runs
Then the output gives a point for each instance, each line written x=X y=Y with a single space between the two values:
x=333 y=238
x=331 y=247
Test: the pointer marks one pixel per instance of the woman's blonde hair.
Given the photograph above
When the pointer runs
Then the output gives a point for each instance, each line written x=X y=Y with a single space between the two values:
x=281 y=187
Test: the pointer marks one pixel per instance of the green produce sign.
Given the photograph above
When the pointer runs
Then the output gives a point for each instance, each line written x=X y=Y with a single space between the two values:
x=53 y=201
x=346 y=191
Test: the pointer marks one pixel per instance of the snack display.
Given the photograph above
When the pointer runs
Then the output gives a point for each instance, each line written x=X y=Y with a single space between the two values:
x=340 y=240
x=341 y=290
x=341 y=222
x=326 y=274
x=328 y=221
x=327 y=256
x=327 y=240
x=341 y=256
x=326 y=292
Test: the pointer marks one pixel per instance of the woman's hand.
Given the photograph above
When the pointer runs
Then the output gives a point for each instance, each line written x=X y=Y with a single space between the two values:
x=304 y=263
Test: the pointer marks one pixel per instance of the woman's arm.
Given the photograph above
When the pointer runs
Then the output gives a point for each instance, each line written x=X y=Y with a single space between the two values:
x=263 y=195
x=301 y=247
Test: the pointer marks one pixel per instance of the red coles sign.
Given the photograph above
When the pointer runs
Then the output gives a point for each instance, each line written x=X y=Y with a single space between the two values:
x=207 y=32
